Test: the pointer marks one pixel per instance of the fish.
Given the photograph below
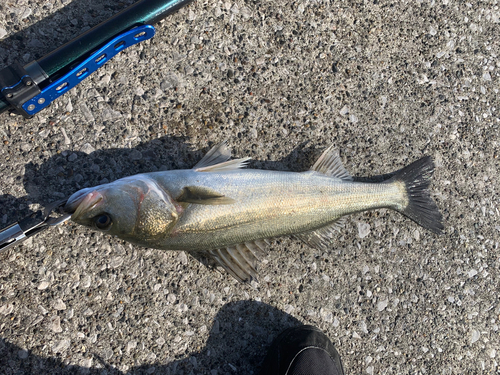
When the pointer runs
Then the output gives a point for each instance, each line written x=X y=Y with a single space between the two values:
x=229 y=214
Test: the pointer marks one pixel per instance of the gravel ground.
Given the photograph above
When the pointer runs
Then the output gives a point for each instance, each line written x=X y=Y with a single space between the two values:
x=386 y=82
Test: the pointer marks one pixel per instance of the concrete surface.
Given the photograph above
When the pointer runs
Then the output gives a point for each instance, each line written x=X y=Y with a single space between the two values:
x=385 y=81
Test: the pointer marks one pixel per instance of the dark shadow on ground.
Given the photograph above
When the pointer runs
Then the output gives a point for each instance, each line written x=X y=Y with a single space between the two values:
x=61 y=26
x=239 y=338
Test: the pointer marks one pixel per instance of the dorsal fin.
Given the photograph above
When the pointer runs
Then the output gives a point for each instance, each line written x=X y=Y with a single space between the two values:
x=240 y=261
x=217 y=154
x=217 y=160
x=329 y=164
x=321 y=238
x=229 y=165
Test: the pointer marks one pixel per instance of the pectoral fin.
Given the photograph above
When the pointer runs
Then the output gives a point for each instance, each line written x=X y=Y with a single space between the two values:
x=203 y=195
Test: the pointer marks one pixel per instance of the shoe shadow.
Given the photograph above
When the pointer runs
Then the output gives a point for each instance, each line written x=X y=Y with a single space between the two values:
x=241 y=333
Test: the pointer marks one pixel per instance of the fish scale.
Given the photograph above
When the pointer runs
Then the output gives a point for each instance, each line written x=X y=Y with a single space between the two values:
x=269 y=204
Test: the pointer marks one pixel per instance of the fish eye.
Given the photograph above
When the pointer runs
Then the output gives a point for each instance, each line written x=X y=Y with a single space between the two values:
x=103 y=221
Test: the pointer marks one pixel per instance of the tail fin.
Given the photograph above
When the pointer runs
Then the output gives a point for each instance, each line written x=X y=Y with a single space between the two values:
x=420 y=208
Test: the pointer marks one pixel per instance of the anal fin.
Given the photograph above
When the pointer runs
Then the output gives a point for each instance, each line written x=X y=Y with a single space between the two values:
x=321 y=238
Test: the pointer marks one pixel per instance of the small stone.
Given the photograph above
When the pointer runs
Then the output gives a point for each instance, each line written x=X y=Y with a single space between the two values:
x=61 y=346
x=25 y=147
x=486 y=76
x=246 y=12
x=107 y=354
x=22 y=354
x=363 y=229
x=108 y=114
x=88 y=312
x=183 y=257
x=116 y=262
x=86 y=282
x=135 y=155
x=67 y=141
x=344 y=111
x=118 y=312
x=105 y=79
x=59 y=304
x=69 y=106
x=3 y=32
x=472 y=273
x=55 y=324
x=167 y=84
x=6 y=309
x=87 y=148
x=86 y=364
x=475 y=334
x=72 y=157
x=87 y=113
x=381 y=305
x=43 y=285
x=131 y=345
x=363 y=327
x=171 y=298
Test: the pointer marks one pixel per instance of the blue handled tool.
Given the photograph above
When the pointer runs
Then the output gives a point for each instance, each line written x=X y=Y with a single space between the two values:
x=28 y=89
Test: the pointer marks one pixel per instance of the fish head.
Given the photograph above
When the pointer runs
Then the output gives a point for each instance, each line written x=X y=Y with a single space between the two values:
x=134 y=208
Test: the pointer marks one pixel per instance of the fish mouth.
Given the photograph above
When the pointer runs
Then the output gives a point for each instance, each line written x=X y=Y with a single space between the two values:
x=82 y=201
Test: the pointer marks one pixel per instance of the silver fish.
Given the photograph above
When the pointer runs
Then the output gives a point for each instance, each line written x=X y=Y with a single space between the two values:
x=227 y=213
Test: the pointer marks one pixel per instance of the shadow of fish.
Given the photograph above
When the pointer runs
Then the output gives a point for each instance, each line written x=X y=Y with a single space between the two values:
x=227 y=212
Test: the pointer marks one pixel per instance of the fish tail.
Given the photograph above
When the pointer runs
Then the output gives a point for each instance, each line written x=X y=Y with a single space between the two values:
x=419 y=205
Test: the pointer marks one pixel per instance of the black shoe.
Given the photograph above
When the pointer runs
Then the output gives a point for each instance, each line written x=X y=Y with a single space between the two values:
x=302 y=350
